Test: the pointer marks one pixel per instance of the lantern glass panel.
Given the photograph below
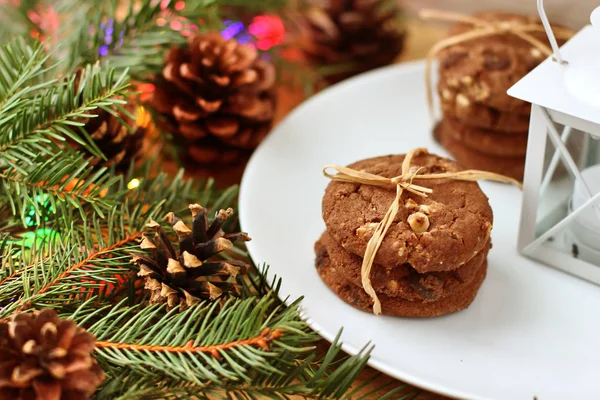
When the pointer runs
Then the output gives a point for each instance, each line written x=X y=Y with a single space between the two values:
x=570 y=179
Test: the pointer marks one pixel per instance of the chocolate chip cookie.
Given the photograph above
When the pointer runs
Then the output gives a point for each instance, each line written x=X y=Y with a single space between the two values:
x=438 y=233
x=395 y=306
x=402 y=280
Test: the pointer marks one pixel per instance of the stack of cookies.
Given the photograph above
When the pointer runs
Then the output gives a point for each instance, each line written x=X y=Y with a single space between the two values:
x=432 y=260
x=482 y=127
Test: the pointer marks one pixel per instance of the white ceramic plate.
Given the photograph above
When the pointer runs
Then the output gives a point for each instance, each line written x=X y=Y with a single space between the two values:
x=531 y=332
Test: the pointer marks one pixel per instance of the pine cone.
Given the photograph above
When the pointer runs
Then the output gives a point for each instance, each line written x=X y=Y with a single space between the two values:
x=117 y=142
x=216 y=97
x=45 y=357
x=357 y=34
x=188 y=277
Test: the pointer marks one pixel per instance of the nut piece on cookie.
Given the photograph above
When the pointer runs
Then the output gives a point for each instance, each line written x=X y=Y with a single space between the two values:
x=418 y=222
x=411 y=204
x=366 y=228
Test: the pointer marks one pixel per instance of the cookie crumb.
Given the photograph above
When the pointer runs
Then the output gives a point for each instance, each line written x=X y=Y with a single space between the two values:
x=363 y=230
x=392 y=285
x=401 y=252
x=411 y=204
x=424 y=208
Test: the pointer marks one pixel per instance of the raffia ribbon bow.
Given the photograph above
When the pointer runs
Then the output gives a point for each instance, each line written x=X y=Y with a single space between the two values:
x=482 y=28
x=400 y=184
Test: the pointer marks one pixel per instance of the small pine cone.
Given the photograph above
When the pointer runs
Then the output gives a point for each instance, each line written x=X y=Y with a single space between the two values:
x=355 y=35
x=46 y=358
x=118 y=142
x=216 y=97
x=186 y=277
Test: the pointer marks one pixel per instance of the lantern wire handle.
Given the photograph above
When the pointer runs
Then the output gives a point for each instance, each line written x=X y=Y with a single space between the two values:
x=549 y=32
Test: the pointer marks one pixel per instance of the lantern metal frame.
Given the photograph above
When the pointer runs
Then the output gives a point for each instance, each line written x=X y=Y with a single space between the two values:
x=552 y=88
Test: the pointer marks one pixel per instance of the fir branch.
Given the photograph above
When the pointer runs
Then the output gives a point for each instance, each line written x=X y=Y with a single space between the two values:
x=35 y=160
x=54 y=115
x=294 y=379
x=132 y=41
x=265 y=337
x=237 y=345
x=20 y=65
x=16 y=261
x=253 y=347
x=71 y=274
x=98 y=251
x=62 y=182
x=130 y=238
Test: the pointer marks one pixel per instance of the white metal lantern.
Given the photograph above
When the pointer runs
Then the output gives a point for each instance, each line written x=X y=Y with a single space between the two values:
x=560 y=218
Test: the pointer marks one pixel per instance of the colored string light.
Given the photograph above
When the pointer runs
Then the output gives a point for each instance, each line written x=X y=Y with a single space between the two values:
x=133 y=183
x=176 y=25
x=264 y=32
x=108 y=28
x=268 y=30
x=232 y=29
x=42 y=202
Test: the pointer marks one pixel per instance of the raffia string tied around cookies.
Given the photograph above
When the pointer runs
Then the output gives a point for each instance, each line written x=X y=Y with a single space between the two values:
x=482 y=28
x=400 y=184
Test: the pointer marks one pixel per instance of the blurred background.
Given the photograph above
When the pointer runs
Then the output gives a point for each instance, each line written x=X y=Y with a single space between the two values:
x=573 y=13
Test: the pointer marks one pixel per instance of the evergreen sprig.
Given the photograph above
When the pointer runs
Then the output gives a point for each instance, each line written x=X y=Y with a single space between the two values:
x=20 y=65
x=132 y=40
x=97 y=251
x=39 y=121
x=252 y=347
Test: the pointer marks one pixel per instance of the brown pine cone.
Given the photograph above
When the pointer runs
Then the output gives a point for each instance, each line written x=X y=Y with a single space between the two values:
x=216 y=97
x=46 y=358
x=119 y=143
x=189 y=276
x=355 y=35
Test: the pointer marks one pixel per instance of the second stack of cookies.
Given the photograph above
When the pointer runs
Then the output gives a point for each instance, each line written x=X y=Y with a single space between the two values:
x=482 y=127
